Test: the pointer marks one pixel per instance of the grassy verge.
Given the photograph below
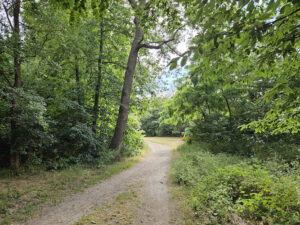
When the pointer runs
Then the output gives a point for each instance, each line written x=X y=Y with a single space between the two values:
x=228 y=189
x=121 y=211
x=24 y=196
x=173 y=142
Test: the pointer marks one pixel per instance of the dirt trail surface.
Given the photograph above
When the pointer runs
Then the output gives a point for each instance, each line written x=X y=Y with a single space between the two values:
x=151 y=174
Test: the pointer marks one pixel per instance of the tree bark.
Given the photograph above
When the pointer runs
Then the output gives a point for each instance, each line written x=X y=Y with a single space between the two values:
x=117 y=140
x=99 y=80
x=14 y=154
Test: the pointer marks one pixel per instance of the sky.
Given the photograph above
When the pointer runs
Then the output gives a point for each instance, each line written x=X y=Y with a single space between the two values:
x=168 y=78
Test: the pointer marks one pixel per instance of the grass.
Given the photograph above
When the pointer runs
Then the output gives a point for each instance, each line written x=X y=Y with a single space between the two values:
x=24 y=196
x=173 y=142
x=121 y=211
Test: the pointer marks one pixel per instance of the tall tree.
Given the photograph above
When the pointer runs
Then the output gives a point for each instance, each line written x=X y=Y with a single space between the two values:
x=99 y=77
x=14 y=153
x=137 y=44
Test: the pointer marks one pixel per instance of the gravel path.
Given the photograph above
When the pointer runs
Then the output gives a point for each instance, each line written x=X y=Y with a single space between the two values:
x=151 y=174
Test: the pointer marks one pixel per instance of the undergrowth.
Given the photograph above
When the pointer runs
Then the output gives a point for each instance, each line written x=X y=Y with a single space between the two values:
x=229 y=189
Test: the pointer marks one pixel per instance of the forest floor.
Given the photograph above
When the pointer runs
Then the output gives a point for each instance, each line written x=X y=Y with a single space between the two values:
x=138 y=195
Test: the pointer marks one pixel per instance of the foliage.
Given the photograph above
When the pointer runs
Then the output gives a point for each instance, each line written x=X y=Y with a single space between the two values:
x=221 y=186
x=133 y=137
x=59 y=66
x=249 y=41
x=155 y=120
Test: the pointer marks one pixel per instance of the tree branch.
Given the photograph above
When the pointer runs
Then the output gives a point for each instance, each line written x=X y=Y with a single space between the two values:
x=41 y=47
x=6 y=78
x=7 y=16
x=176 y=52
x=281 y=18
x=160 y=44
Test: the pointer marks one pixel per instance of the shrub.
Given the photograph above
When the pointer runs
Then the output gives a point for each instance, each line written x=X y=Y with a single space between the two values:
x=222 y=185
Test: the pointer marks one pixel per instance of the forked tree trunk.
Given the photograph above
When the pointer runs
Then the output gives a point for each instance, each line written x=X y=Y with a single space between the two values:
x=14 y=154
x=117 y=140
x=99 y=80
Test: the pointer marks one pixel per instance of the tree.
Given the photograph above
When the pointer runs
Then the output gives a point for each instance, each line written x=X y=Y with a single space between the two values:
x=262 y=38
x=137 y=44
x=73 y=63
x=15 y=37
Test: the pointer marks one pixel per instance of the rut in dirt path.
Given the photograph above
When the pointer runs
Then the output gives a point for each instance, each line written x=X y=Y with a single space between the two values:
x=152 y=175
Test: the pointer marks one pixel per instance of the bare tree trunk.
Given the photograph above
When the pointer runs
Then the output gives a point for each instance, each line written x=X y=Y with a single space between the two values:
x=14 y=154
x=117 y=140
x=99 y=80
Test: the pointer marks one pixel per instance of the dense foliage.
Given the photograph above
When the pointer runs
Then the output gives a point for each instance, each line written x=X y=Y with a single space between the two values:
x=242 y=88
x=227 y=189
x=155 y=121
x=65 y=108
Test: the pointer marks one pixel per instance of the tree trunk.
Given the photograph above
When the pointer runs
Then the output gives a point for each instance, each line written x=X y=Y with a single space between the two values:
x=117 y=140
x=77 y=74
x=99 y=80
x=14 y=154
x=228 y=107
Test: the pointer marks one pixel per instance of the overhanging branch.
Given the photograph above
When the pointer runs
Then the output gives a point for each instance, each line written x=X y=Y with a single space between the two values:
x=161 y=43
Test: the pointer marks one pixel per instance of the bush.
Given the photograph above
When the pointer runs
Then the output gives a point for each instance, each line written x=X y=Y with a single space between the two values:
x=223 y=185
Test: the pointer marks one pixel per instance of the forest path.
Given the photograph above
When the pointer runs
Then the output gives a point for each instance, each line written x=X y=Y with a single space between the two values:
x=151 y=175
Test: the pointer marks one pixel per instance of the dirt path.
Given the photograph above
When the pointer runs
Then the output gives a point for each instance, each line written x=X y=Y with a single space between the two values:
x=150 y=174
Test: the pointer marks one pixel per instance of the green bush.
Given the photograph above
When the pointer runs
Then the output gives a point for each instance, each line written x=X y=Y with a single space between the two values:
x=223 y=185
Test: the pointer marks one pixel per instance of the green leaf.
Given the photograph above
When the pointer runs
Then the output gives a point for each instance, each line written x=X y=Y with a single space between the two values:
x=183 y=61
x=173 y=65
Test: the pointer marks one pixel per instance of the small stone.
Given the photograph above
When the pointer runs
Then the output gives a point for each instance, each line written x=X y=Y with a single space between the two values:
x=161 y=182
x=93 y=222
